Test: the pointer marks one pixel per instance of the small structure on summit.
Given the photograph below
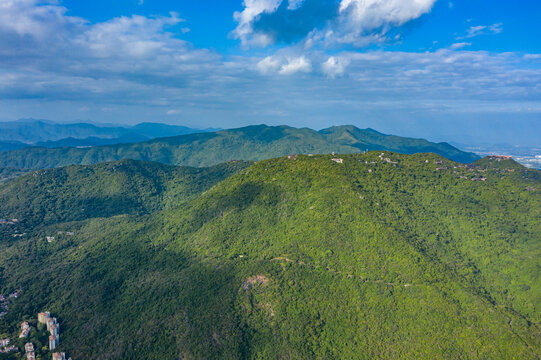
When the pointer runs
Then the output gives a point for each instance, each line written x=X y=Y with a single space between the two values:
x=338 y=160
x=500 y=157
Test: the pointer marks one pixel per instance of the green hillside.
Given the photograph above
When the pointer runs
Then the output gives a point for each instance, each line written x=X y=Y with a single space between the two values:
x=367 y=256
x=123 y=187
x=248 y=143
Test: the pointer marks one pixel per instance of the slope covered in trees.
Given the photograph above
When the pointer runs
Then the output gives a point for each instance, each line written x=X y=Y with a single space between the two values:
x=248 y=143
x=378 y=255
x=79 y=192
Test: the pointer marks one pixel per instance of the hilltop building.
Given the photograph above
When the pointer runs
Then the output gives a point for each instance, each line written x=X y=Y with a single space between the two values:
x=500 y=157
x=59 y=356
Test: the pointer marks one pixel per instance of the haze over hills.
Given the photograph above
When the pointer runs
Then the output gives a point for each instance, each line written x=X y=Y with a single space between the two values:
x=376 y=255
x=51 y=134
x=248 y=143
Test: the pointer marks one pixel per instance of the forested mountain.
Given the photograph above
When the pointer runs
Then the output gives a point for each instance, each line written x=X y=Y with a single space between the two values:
x=79 y=192
x=360 y=256
x=248 y=143
x=11 y=145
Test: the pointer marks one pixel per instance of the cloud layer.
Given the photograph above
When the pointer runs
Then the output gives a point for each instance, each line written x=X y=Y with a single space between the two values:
x=139 y=68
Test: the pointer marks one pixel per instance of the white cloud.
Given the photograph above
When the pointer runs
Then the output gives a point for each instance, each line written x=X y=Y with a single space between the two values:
x=363 y=15
x=295 y=65
x=173 y=112
x=27 y=18
x=357 y=22
x=460 y=45
x=334 y=66
x=284 y=64
x=245 y=19
x=496 y=28
x=294 y=4
x=532 y=57
x=474 y=31
x=135 y=36
x=268 y=64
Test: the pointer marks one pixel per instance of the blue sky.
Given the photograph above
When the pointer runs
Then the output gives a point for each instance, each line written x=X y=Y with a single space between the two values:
x=465 y=70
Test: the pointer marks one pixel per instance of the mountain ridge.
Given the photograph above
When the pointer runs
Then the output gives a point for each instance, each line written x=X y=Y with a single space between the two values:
x=251 y=143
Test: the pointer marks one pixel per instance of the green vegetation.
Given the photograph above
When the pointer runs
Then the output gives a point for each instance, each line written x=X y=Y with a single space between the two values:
x=10 y=173
x=78 y=192
x=381 y=256
x=248 y=143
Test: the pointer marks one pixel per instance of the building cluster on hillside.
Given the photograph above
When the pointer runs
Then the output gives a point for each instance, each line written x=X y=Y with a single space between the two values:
x=4 y=348
x=4 y=302
x=25 y=330
x=9 y=349
x=52 y=327
x=8 y=222
x=386 y=159
x=59 y=356
x=29 y=348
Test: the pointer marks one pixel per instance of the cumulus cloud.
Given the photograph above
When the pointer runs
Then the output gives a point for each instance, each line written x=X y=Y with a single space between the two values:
x=284 y=65
x=295 y=65
x=252 y=10
x=268 y=64
x=26 y=18
x=334 y=66
x=356 y=22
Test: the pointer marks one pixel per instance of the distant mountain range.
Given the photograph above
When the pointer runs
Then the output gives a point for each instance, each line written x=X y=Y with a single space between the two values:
x=254 y=143
x=30 y=132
